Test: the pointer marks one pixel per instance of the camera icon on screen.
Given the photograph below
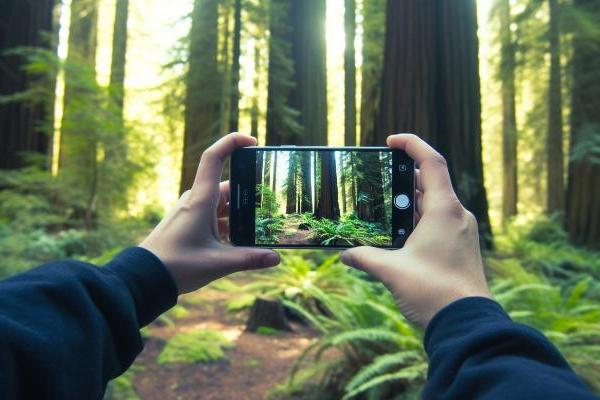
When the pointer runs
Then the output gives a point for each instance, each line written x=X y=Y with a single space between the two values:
x=402 y=167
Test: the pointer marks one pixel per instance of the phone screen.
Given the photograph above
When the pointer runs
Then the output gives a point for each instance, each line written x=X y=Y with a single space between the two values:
x=321 y=197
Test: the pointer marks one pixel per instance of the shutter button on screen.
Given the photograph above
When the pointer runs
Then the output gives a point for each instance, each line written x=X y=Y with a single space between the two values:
x=402 y=201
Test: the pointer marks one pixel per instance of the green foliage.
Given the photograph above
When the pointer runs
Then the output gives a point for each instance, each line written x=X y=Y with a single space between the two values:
x=268 y=331
x=268 y=225
x=349 y=230
x=121 y=388
x=194 y=346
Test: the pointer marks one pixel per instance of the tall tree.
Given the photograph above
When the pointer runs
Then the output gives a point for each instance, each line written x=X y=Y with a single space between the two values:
x=254 y=111
x=509 y=119
x=119 y=54
x=282 y=119
x=203 y=89
x=373 y=12
x=431 y=73
x=554 y=139
x=259 y=176
x=370 y=201
x=291 y=183
x=583 y=194
x=327 y=203
x=22 y=24
x=225 y=68
x=349 y=74
x=306 y=203
x=235 y=68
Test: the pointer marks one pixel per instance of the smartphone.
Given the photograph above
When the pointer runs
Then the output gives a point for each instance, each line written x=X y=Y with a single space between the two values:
x=321 y=197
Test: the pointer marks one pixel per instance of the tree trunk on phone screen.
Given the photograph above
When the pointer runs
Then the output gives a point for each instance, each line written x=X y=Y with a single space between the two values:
x=431 y=73
x=267 y=170
x=259 y=176
x=343 y=183
x=274 y=188
x=291 y=207
x=235 y=68
x=372 y=53
x=317 y=180
x=23 y=24
x=554 y=143
x=306 y=204
x=509 y=119
x=353 y=185
x=203 y=89
x=349 y=75
x=370 y=204
x=583 y=194
x=327 y=205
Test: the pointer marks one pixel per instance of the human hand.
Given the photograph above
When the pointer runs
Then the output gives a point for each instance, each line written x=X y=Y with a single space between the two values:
x=441 y=261
x=187 y=239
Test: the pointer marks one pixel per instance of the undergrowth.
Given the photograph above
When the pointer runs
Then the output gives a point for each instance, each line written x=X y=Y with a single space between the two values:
x=195 y=346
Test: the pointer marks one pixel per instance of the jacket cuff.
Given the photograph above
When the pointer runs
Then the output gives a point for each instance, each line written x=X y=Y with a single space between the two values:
x=150 y=284
x=460 y=316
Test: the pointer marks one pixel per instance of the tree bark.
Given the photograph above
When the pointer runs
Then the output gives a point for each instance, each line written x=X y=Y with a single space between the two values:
x=372 y=53
x=370 y=203
x=327 y=205
x=583 y=194
x=349 y=75
x=431 y=76
x=291 y=207
x=259 y=176
x=306 y=204
x=509 y=119
x=203 y=89
x=119 y=54
x=554 y=142
x=235 y=68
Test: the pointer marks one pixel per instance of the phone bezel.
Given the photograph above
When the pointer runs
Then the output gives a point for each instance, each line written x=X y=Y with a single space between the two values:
x=243 y=185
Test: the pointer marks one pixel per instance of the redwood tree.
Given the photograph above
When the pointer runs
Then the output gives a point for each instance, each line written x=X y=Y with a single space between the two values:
x=203 y=89
x=22 y=24
x=431 y=76
x=583 y=194
x=327 y=203
x=349 y=74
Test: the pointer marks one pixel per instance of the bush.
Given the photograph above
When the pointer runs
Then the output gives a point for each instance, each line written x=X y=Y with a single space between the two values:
x=349 y=230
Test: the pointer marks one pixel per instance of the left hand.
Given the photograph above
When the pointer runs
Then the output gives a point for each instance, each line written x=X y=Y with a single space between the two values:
x=188 y=241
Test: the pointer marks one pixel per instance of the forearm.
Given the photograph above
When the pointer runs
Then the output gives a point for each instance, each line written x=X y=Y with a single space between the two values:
x=476 y=351
x=66 y=328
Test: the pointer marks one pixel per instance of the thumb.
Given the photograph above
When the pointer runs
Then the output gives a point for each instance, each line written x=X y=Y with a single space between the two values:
x=244 y=258
x=368 y=259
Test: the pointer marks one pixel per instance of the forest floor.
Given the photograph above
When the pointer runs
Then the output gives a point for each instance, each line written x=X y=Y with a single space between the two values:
x=292 y=234
x=254 y=365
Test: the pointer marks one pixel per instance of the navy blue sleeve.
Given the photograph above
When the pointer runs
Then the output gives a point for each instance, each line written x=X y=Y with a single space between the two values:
x=67 y=328
x=477 y=352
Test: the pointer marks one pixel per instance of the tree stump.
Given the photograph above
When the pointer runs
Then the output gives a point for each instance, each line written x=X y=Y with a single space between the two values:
x=268 y=313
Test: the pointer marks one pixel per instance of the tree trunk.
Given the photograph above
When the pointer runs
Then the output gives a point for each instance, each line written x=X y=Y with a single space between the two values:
x=509 y=119
x=372 y=53
x=291 y=207
x=267 y=313
x=327 y=205
x=306 y=204
x=254 y=107
x=119 y=53
x=23 y=24
x=349 y=75
x=274 y=172
x=202 y=89
x=583 y=194
x=225 y=73
x=370 y=202
x=343 y=184
x=235 y=68
x=282 y=118
x=554 y=142
x=431 y=73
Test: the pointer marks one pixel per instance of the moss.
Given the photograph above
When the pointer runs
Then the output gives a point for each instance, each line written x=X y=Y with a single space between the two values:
x=240 y=302
x=178 y=312
x=195 y=346
x=265 y=330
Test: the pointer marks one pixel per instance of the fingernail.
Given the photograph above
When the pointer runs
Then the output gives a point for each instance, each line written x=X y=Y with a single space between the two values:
x=271 y=259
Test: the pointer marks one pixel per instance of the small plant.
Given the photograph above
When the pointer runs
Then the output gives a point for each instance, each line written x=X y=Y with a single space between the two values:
x=347 y=231
x=195 y=346
x=267 y=331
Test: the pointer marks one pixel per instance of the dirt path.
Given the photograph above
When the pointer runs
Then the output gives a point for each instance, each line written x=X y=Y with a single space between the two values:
x=291 y=234
x=253 y=367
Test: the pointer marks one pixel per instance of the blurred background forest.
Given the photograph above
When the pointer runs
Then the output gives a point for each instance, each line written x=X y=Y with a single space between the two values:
x=106 y=106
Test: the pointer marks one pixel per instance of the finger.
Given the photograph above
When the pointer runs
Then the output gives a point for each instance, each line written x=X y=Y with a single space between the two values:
x=433 y=174
x=224 y=190
x=211 y=163
x=223 y=211
x=237 y=259
x=223 y=205
x=223 y=225
x=370 y=260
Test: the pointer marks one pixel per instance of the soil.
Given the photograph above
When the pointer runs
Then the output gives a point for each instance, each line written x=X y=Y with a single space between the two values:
x=253 y=366
x=291 y=234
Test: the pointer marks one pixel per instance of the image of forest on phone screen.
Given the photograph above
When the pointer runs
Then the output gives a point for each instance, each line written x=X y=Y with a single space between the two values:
x=323 y=198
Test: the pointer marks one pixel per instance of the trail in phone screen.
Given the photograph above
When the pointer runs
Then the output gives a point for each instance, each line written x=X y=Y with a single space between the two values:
x=292 y=234
x=253 y=365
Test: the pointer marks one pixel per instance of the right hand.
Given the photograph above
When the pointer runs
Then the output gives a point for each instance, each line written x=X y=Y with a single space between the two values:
x=441 y=261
